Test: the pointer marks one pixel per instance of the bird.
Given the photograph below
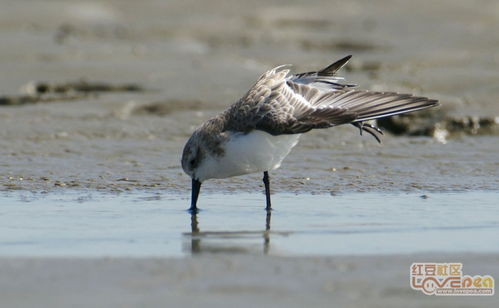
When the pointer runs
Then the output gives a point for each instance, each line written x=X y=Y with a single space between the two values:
x=258 y=131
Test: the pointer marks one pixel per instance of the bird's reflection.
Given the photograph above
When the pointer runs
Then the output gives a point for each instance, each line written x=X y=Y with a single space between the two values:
x=195 y=238
x=266 y=234
x=227 y=241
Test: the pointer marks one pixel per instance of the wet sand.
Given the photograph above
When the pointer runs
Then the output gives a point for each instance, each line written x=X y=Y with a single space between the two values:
x=226 y=281
x=194 y=59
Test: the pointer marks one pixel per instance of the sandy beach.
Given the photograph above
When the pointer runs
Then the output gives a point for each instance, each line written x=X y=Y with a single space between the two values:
x=102 y=95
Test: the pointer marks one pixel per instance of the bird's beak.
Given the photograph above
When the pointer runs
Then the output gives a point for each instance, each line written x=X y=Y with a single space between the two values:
x=196 y=187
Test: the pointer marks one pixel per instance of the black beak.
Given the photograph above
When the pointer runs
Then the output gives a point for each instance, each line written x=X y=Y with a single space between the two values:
x=196 y=187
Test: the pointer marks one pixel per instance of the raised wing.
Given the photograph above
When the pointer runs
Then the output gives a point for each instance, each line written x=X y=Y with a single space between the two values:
x=326 y=78
x=282 y=104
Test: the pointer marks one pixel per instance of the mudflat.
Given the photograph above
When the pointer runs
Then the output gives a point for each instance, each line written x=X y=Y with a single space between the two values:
x=102 y=96
x=226 y=281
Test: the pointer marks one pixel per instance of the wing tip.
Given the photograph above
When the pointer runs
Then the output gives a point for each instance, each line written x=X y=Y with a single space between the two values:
x=333 y=68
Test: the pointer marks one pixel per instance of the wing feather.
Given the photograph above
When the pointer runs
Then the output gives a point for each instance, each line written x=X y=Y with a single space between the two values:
x=283 y=104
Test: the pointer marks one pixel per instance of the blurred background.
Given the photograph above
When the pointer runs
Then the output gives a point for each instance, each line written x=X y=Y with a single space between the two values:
x=103 y=94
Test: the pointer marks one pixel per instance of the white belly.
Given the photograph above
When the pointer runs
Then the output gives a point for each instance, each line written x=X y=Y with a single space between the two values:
x=256 y=151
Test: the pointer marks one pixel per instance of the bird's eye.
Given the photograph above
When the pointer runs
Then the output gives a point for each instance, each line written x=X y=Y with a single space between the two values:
x=192 y=162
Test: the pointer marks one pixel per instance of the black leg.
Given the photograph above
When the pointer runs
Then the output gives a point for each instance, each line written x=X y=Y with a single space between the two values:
x=267 y=190
x=196 y=187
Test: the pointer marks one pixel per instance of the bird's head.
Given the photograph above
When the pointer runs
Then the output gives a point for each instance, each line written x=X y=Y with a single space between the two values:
x=192 y=155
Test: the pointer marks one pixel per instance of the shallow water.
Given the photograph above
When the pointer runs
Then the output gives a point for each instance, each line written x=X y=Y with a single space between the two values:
x=154 y=224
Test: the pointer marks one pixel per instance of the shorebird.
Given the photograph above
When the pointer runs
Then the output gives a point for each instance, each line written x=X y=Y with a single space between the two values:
x=258 y=131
